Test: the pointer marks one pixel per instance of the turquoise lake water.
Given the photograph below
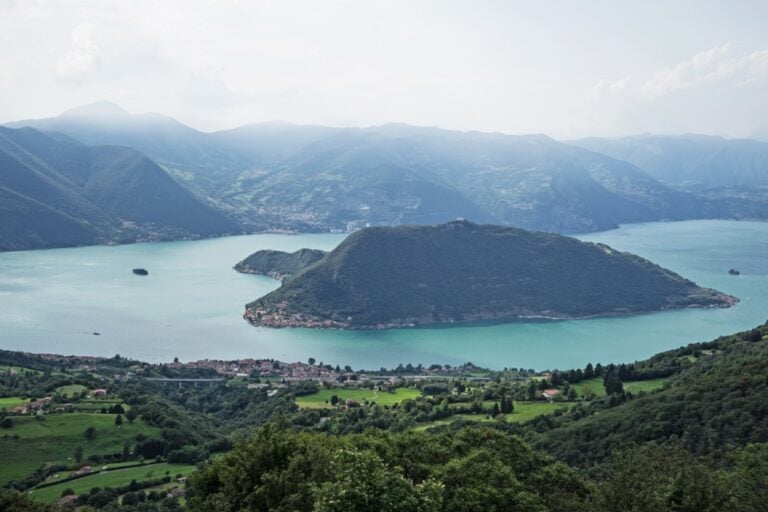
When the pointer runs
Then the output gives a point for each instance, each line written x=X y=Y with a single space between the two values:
x=190 y=305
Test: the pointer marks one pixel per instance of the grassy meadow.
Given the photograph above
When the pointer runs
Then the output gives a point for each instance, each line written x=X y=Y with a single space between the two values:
x=595 y=386
x=322 y=398
x=70 y=391
x=11 y=402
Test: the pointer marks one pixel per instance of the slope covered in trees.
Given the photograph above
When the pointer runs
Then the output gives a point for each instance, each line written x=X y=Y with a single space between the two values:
x=714 y=406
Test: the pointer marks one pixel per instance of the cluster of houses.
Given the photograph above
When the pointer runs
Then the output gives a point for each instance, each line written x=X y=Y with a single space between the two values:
x=269 y=368
x=279 y=317
x=236 y=368
x=32 y=407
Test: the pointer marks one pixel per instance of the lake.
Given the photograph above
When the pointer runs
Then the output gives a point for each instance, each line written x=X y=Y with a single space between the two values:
x=191 y=303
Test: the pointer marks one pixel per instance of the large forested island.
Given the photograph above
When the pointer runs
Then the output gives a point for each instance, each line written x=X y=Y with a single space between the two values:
x=461 y=271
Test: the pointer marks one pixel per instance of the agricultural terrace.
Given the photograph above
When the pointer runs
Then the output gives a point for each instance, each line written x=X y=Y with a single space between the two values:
x=112 y=478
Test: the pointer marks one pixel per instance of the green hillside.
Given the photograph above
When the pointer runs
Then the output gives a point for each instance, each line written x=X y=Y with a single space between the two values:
x=711 y=408
x=463 y=271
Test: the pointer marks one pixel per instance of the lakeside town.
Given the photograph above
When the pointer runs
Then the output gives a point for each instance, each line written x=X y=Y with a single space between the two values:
x=274 y=371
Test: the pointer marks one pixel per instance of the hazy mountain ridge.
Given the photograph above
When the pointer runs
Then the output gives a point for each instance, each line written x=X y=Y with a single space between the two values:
x=385 y=277
x=690 y=162
x=95 y=194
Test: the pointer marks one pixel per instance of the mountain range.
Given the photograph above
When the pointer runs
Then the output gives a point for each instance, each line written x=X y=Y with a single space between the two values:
x=272 y=176
x=731 y=174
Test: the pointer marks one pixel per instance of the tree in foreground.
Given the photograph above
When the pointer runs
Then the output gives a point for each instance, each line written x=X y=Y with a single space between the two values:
x=364 y=484
x=475 y=468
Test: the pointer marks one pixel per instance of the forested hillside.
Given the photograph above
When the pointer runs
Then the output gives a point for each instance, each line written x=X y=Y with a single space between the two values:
x=712 y=408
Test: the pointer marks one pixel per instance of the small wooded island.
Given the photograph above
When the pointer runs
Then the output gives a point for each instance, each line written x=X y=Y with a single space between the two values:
x=278 y=264
x=385 y=277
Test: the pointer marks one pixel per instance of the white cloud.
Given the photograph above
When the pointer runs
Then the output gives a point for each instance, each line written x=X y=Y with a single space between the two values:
x=714 y=65
x=83 y=56
x=609 y=88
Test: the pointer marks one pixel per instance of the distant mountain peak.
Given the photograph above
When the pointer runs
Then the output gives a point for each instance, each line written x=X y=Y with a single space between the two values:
x=98 y=110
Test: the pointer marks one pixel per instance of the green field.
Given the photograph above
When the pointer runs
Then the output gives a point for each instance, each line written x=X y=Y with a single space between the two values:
x=116 y=478
x=55 y=438
x=12 y=401
x=595 y=386
x=645 y=385
x=523 y=411
x=589 y=387
x=71 y=391
x=18 y=369
x=322 y=398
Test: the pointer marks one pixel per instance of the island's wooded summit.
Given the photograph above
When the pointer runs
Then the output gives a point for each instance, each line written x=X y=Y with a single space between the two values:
x=460 y=271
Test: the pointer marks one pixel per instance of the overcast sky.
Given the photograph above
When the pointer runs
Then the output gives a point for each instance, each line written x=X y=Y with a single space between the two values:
x=568 y=69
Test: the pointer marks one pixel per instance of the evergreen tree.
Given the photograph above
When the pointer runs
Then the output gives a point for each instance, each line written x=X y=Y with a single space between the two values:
x=506 y=405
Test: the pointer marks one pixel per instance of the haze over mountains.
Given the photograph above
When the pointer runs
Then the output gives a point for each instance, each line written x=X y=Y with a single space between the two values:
x=311 y=178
